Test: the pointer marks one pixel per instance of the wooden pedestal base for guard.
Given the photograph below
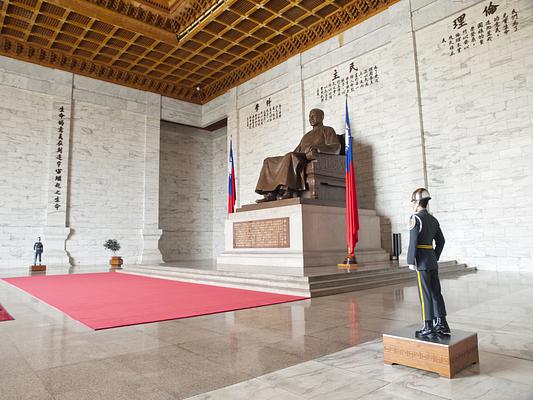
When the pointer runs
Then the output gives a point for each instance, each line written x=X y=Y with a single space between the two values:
x=445 y=355
x=37 y=268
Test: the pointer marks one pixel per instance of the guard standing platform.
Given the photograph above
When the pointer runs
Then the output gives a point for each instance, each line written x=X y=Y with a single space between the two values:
x=444 y=354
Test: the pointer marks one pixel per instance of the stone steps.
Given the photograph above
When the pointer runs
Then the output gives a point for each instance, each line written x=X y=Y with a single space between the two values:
x=369 y=276
x=360 y=280
x=291 y=285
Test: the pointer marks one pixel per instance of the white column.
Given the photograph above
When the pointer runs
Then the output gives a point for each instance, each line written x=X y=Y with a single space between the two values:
x=151 y=232
x=56 y=231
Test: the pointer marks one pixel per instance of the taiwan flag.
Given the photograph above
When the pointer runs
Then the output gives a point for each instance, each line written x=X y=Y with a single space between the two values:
x=232 y=189
x=352 y=214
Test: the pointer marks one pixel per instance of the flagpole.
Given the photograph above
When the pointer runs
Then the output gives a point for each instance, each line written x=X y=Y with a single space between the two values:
x=352 y=217
x=232 y=187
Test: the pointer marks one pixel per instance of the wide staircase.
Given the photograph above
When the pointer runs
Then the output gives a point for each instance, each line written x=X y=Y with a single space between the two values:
x=318 y=282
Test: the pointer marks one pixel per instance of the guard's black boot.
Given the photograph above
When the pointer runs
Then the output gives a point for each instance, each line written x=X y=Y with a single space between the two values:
x=441 y=326
x=426 y=331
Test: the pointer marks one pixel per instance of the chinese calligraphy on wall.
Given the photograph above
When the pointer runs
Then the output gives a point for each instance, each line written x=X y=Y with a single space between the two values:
x=473 y=30
x=59 y=159
x=347 y=81
x=263 y=114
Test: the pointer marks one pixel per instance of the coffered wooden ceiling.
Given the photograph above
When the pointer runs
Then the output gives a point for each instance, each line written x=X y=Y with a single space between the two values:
x=193 y=50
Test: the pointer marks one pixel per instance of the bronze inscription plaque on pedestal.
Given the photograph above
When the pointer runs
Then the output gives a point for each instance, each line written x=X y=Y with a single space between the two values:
x=269 y=233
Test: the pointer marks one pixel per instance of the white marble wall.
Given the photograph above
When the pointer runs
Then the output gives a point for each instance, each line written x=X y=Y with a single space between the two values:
x=107 y=170
x=478 y=128
x=187 y=192
x=23 y=162
x=461 y=125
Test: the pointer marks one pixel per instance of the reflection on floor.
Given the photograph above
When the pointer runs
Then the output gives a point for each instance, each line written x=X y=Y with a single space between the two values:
x=324 y=348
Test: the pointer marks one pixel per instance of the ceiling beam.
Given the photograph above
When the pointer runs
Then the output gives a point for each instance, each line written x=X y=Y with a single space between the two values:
x=3 y=11
x=114 y=18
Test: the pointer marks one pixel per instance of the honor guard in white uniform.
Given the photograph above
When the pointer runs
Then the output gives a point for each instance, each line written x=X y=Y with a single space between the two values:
x=424 y=229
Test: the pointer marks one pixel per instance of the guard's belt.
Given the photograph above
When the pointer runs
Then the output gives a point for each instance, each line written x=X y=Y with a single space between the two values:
x=424 y=246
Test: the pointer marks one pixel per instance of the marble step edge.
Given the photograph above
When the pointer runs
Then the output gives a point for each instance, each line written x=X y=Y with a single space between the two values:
x=292 y=291
x=378 y=272
x=273 y=281
x=267 y=281
x=344 y=282
x=209 y=272
x=402 y=272
x=341 y=287
x=259 y=279
x=220 y=275
x=326 y=291
x=353 y=288
x=194 y=272
x=301 y=282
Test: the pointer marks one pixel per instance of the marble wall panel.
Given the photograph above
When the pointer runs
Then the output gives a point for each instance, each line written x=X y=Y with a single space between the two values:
x=24 y=136
x=181 y=112
x=272 y=138
x=215 y=110
x=106 y=180
x=479 y=138
x=185 y=193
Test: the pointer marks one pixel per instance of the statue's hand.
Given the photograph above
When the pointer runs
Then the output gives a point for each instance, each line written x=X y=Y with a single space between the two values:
x=310 y=155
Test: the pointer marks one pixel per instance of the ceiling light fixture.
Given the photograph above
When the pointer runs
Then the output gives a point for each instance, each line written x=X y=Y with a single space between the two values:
x=199 y=20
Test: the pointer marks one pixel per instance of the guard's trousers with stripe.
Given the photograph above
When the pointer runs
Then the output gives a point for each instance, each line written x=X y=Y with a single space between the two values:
x=431 y=298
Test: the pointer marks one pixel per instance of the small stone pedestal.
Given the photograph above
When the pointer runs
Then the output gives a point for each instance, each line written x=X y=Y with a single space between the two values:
x=37 y=268
x=445 y=355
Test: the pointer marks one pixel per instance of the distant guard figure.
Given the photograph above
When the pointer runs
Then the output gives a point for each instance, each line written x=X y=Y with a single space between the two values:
x=422 y=257
x=282 y=177
x=38 y=248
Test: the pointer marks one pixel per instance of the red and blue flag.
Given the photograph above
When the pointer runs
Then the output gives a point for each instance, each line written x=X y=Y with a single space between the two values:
x=352 y=214
x=232 y=189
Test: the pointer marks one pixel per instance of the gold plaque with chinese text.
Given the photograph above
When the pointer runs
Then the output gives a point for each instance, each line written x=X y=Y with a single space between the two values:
x=264 y=233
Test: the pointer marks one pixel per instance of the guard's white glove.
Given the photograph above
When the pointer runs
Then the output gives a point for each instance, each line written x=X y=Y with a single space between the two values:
x=412 y=267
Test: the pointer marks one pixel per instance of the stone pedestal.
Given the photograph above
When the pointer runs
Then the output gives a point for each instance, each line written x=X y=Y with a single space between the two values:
x=287 y=237
x=445 y=355
x=150 y=251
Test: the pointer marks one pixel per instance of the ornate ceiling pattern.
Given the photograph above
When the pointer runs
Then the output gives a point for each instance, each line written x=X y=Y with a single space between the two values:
x=192 y=50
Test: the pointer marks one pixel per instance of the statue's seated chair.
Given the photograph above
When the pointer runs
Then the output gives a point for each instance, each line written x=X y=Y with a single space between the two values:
x=326 y=176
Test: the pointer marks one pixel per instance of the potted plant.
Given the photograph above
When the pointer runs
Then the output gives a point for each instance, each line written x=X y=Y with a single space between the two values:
x=114 y=246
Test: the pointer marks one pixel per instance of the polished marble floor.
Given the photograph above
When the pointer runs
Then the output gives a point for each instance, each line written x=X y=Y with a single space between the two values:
x=322 y=348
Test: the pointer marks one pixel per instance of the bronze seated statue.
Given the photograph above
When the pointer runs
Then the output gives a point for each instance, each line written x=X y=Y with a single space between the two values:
x=315 y=169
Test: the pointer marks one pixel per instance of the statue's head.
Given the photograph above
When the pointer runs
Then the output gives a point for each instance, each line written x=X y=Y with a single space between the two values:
x=316 y=116
x=39 y=239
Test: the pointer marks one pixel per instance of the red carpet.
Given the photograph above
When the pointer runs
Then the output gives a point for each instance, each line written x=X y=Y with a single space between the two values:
x=109 y=299
x=4 y=315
